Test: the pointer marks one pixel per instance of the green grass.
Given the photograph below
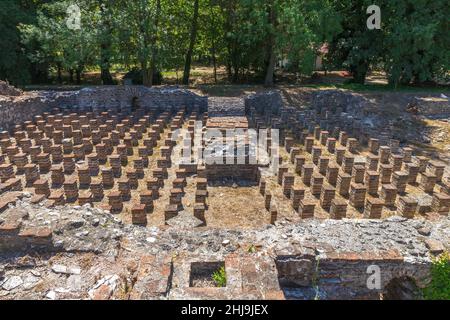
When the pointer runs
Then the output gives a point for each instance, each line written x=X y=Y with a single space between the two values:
x=439 y=287
x=376 y=88
x=220 y=277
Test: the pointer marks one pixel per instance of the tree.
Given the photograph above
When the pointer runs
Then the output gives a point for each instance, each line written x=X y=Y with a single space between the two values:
x=187 y=65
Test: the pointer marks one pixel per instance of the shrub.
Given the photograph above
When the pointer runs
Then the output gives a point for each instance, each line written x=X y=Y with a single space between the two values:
x=439 y=287
x=219 y=277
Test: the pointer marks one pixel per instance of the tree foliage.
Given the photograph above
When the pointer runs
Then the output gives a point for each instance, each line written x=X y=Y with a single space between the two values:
x=248 y=37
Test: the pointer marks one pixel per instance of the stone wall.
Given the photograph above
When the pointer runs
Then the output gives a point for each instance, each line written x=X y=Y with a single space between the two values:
x=268 y=102
x=15 y=109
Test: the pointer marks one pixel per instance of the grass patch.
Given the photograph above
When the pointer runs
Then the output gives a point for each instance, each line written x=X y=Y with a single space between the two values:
x=439 y=287
x=220 y=277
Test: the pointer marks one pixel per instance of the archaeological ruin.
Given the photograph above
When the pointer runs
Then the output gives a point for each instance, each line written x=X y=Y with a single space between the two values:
x=128 y=192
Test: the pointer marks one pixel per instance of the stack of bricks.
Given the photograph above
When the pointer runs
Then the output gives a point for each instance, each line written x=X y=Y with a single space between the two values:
x=422 y=162
x=262 y=186
x=372 y=162
x=20 y=160
x=407 y=207
x=331 y=145
x=31 y=174
x=299 y=162
x=57 y=175
x=85 y=197
x=323 y=165
x=332 y=173
x=343 y=183
x=57 y=153
x=373 y=208
x=436 y=168
x=153 y=185
x=413 y=171
x=57 y=196
x=97 y=190
x=326 y=196
x=385 y=173
x=340 y=153
x=352 y=145
x=138 y=215
x=71 y=189
x=388 y=194
x=84 y=177
x=347 y=165
x=107 y=178
x=132 y=178
x=139 y=167
x=68 y=164
x=115 y=201
x=316 y=153
x=116 y=166
x=93 y=164
x=324 y=137
x=288 y=182
x=41 y=187
x=441 y=203
x=267 y=200
x=293 y=154
x=385 y=153
x=297 y=194
x=281 y=172
x=427 y=181
x=306 y=209
x=316 y=184
x=170 y=212
x=146 y=198
x=358 y=173
x=199 y=212
x=372 y=181
x=176 y=197
x=374 y=145
x=6 y=172
x=396 y=162
x=343 y=137
x=307 y=172
x=44 y=163
x=124 y=188
x=338 y=209
x=400 y=180
x=357 y=195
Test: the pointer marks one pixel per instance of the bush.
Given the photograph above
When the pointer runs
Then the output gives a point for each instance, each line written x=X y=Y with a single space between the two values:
x=220 y=278
x=439 y=287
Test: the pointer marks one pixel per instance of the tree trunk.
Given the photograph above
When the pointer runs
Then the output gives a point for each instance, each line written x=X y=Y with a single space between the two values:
x=268 y=82
x=78 y=73
x=187 y=65
x=105 y=46
x=146 y=78
x=59 y=73
x=71 y=75
x=270 y=69
x=154 y=45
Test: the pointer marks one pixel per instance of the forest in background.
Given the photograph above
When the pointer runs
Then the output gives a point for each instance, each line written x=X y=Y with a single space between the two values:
x=248 y=38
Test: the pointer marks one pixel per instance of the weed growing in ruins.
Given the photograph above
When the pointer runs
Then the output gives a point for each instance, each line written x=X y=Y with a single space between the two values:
x=439 y=287
x=251 y=249
x=219 y=277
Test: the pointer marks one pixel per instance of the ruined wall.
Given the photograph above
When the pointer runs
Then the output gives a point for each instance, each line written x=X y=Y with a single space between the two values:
x=268 y=102
x=15 y=109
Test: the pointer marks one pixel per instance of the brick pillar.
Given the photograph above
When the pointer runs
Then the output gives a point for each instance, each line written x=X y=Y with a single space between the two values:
x=299 y=162
x=358 y=173
x=357 y=195
x=372 y=180
x=386 y=173
x=41 y=187
x=288 y=182
x=331 y=145
x=326 y=196
x=306 y=209
x=124 y=188
x=400 y=180
x=316 y=153
x=338 y=209
x=407 y=207
x=115 y=201
x=316 y=184
x=323 y=164
x=307 y=172
x=373 y=208
x=388 y=194
x=427 y=182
